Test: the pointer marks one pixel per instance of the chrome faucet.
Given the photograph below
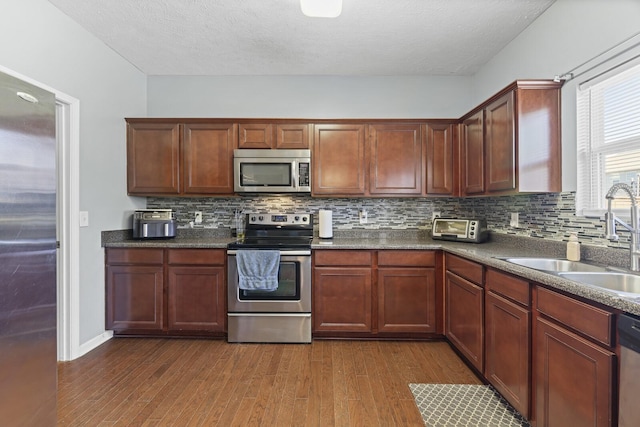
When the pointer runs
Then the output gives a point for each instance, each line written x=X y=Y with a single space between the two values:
x=610 y=223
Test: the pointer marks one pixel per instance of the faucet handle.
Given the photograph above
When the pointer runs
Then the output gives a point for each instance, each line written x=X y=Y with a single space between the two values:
x=610 y=226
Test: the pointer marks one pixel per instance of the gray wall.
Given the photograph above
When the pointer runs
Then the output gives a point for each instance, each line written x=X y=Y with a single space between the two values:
x=40 y=42
x=308 y=97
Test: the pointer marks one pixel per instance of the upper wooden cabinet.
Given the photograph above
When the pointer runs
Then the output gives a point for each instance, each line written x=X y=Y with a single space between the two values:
x=153 y=158
x=207 y=158
x=255 y=135
x=168 y=157
x=511 y=143
x=383 y=159
x=273 y=135
x=292 y=136
x=440 y=159
x=395 y=162
x=338 y=160
x=472 y=155
x=500 y=147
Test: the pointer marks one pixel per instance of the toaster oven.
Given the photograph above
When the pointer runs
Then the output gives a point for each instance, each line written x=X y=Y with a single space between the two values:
x=460 y=230
x=154 y=224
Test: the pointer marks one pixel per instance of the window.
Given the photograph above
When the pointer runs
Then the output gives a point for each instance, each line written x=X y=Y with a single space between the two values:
x=608 y=148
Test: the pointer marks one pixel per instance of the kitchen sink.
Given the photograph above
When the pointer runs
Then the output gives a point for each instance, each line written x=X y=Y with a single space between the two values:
x=555 y=265
x=620 y=283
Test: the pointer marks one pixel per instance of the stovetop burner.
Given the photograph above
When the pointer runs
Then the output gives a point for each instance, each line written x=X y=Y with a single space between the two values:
x=276 y=231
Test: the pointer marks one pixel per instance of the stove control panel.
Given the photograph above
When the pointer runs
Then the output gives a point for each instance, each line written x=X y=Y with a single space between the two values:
x=280 y=219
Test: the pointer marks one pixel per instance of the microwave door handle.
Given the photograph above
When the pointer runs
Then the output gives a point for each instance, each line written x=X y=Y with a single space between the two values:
x=293 y=174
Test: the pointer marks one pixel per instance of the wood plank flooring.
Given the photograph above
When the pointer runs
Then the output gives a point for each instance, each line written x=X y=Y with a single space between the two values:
x=171 y=382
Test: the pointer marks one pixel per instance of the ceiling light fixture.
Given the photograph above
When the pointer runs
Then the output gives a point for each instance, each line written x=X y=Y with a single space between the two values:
x=321 y=8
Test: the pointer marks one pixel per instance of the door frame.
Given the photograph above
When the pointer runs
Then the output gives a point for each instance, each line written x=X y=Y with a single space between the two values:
x=67 y=218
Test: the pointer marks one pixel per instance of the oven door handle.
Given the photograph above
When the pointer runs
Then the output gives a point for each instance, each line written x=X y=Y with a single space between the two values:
x=282 y=253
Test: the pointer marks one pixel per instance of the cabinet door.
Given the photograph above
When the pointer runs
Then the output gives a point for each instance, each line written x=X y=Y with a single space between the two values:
x=472 y=155
x=464 y=318
x=342 y=299
x=406 y=300
x=292 y=136
x=338 y=160
x=134 y=297
x=196 y=298
x=440 y=164
x=574 y=379
x=255 y=135
x=507 y=349
x=153 y=158
x=500 y=145
x=395 y=162
x=208 y=158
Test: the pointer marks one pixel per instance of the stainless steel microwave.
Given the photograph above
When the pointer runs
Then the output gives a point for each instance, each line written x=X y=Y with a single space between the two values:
x=271 y=171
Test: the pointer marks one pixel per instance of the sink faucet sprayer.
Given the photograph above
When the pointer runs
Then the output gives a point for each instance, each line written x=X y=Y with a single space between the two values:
x=610 y=223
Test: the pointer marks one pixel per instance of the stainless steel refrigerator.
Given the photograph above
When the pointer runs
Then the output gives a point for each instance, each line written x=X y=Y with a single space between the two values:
x=28 y=359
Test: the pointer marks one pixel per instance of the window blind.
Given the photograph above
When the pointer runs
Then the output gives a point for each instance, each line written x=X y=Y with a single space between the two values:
x=608 y=144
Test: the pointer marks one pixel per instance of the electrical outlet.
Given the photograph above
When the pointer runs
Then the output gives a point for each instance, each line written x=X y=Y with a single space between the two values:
x=434 y=215
x=363 y=216
x=198 y=217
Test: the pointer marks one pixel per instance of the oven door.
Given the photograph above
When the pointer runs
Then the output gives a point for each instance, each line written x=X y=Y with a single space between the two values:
x=294 y=287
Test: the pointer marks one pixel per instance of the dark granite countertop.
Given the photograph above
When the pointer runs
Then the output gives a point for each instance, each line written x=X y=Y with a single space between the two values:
x=213 y=238
x=488 y=253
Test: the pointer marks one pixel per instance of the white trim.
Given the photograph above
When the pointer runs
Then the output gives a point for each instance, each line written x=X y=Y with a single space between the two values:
x=94 y=343
x=69 y=176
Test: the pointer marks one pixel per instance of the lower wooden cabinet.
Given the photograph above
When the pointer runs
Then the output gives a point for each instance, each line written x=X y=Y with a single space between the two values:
x=195 y=298
x=342 y=299
x=508 y=349
x=375 y=293
x=574 y=379
x=575 y=363
x=464 y=307
x=507 y=364
x=135 y=297
x=406 y=300
x=165 y=291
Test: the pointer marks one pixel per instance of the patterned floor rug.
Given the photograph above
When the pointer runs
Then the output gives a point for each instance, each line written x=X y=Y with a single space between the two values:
x=449 y=405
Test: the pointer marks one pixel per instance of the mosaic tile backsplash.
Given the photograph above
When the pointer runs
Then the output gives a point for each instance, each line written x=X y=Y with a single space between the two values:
x=549 y=216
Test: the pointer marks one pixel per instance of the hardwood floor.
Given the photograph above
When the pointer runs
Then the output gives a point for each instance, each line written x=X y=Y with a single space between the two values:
x=164 y=382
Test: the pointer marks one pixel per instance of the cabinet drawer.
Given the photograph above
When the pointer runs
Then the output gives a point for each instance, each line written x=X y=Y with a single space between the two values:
x=464 y=268
x=591 y=321
x=342 y=258
x=135 y=256
x=508 y=286
x=407 y=258
x=197 y=256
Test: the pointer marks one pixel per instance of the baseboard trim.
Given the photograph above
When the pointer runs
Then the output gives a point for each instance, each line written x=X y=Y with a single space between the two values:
x=93 y=343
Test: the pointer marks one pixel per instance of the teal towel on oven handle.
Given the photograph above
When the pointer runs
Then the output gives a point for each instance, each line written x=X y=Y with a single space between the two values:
x=258 y=269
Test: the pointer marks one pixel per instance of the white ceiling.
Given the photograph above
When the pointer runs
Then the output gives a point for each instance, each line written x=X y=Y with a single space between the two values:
x=273 y=37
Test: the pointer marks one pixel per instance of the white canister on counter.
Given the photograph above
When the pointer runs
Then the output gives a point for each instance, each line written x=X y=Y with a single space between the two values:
x=325 y=224
x=573 y=248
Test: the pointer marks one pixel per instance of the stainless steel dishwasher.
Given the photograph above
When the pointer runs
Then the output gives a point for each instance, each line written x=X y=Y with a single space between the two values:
x=629 y=332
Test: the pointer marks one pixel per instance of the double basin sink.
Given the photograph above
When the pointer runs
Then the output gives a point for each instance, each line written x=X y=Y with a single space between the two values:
x=621 y=283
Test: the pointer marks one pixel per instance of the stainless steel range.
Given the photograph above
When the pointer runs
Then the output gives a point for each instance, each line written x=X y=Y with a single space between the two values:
x=282 y=314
